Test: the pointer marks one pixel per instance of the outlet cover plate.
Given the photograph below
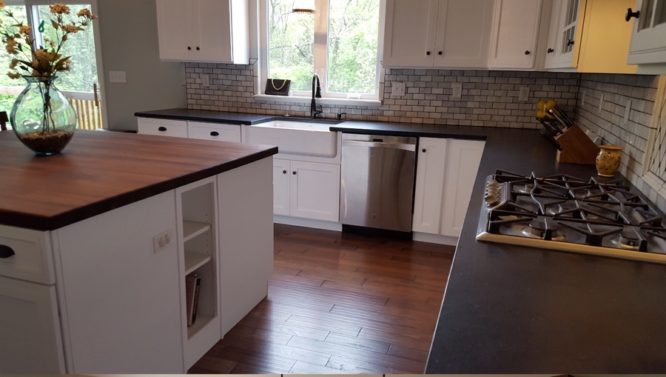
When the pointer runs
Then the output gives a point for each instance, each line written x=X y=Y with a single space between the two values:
x=397 y=89
x=456 y=90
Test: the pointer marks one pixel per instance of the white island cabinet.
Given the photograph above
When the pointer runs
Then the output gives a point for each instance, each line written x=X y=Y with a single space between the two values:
x=98 y=283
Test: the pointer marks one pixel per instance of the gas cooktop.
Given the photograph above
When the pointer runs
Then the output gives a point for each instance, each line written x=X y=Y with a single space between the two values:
x=562 y=212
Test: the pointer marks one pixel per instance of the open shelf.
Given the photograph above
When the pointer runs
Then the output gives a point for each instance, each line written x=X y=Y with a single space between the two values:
x=194 y=260
x=199 y=323
x=192 y=229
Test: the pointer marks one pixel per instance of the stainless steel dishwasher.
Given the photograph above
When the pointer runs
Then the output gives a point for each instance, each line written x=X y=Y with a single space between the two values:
x=377 y=181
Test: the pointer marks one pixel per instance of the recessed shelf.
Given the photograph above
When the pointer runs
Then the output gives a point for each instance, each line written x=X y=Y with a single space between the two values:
x=199 y=323
x=194 y=260
x=192 y=229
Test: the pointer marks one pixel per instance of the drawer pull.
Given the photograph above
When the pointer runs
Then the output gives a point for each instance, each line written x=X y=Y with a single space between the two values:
x=6 y=252
x=162 y=129
x=214 y=133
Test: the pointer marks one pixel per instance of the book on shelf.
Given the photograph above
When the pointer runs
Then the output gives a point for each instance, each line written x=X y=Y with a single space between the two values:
x=192 y=287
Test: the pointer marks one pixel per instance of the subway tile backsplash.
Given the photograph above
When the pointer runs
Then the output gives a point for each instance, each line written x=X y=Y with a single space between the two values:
x=489 y=98
x=601 y=109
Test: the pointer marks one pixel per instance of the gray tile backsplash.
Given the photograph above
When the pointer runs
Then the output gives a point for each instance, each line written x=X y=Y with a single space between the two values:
x=608 y=120
x=489 y=98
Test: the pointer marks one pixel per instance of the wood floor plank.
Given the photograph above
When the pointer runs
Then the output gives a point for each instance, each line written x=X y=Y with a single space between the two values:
x=339 y=303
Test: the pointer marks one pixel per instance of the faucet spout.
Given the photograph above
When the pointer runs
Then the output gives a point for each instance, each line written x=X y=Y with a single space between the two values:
x=316 y=93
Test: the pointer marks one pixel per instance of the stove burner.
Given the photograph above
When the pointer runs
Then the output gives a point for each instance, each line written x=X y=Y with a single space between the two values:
x=544 y=228
x=629 y=240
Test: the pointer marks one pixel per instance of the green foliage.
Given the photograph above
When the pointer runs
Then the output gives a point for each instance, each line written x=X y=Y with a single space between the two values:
x=80 y=46
x=353 y=30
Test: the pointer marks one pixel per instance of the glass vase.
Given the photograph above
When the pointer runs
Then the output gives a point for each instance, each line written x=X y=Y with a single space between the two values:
x=42 y=117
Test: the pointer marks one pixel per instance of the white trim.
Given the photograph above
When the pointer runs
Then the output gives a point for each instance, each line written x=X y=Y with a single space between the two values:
x=435 y=238
x=316 y=224
x=658 y=111
x=325 y=101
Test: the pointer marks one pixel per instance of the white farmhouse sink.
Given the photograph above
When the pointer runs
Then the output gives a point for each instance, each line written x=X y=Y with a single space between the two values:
x=306 y=138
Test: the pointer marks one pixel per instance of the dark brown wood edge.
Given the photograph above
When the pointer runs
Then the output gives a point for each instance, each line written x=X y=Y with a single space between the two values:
x=22 y=220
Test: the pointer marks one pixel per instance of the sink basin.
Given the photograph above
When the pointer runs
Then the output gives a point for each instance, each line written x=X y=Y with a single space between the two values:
x=291 y=125
x=310 y=138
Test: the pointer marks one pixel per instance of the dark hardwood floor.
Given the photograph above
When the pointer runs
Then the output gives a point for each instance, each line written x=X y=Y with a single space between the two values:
x=339 y=303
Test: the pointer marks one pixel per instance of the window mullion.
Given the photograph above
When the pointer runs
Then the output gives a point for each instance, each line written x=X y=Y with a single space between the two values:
x=321 y=42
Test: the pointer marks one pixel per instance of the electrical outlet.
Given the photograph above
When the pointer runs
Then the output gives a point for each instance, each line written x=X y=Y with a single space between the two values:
x=397 y=89
x=204 y=80
x=582 y=98
x=524 y=94
x=456 y=90
x=162 y=240
x=627 y=111
x=601 y=102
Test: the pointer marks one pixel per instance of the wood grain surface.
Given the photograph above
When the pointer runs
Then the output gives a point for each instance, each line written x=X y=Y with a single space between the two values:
x=100 y=171
x=339 y=303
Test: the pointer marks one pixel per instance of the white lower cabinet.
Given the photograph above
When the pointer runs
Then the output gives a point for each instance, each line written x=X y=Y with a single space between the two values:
x=120 y=297
x=307 y=190
x=445 y=176
x=30 y=340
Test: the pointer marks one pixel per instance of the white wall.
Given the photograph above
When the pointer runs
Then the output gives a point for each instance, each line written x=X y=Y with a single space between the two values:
x=128 y=30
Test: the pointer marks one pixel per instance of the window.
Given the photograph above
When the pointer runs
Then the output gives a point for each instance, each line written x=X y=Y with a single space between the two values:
x=339 y=42
x=79 y=84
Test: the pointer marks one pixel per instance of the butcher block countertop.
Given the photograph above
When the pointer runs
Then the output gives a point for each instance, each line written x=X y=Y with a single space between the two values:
x=100 y=171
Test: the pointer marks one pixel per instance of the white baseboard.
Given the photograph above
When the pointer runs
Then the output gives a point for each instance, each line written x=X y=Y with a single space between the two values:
x=435 y=238
x=317 y=224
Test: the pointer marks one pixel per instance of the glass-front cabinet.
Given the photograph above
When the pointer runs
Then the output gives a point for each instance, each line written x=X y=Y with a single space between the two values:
x=648 y=43
x=563 y=36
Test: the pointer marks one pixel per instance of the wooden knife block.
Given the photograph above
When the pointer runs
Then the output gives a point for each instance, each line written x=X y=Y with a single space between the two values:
x=577 y=148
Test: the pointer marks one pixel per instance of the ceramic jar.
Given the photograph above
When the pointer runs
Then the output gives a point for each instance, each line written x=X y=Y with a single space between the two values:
x=608 y=160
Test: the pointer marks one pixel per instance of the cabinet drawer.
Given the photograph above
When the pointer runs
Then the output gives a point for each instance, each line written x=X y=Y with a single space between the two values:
x=26 y=255
x=214 y=131
x=162 y=127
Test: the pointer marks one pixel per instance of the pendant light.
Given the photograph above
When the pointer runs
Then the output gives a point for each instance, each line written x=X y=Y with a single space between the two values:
x=303 y=6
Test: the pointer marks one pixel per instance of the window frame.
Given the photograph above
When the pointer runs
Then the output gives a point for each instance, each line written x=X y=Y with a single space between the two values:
x=320 y=52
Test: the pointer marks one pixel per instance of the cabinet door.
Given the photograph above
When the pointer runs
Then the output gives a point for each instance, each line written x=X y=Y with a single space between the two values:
x=462 y=164
x=177 y=39
x=410 y=31
x=213 y=28
x=30 y=340
x=553 y=30
x=119 y=294
x=648 y=44
x=281 y=181
x=514 y=33
x=429 y=185
x=463 y=33
x=569 y=14
x=315 y=191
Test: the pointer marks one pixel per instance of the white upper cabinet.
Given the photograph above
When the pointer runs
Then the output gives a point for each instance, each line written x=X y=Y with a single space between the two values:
x=514 y=35
x=563 y=49
x=648 y=43
x=203 y=30
x=437 y=33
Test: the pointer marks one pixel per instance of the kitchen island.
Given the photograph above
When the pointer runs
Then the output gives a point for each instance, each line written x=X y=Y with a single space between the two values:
x=96 y=246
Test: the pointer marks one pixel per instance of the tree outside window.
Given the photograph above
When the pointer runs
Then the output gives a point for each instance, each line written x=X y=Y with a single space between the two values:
x=339 y=42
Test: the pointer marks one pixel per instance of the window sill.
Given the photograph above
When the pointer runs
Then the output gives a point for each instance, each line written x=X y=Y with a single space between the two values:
x=321 y=101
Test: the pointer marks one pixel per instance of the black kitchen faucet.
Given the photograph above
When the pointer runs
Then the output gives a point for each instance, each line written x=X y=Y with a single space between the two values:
x=316 y=93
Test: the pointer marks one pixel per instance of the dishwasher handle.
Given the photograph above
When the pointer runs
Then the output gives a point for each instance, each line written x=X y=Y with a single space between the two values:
x=379 y=144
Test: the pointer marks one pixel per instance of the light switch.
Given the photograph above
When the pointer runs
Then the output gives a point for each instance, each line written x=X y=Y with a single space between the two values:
x=627 y=111
x=118 y=77
x=397 y=89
